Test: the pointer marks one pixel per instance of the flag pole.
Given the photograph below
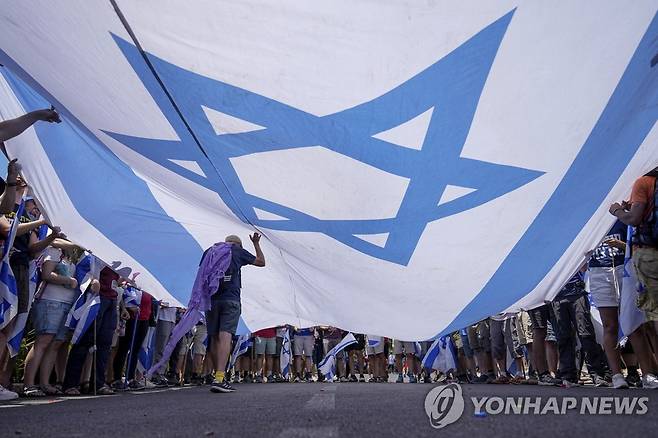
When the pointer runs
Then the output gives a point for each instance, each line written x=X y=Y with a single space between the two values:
x=94 y=359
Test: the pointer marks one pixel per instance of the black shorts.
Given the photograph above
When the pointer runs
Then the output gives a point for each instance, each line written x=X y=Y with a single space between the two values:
x=223 y=316
x=540 y=317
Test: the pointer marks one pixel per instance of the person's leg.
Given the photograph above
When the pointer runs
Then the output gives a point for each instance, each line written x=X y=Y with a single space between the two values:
x=41 y=345
x=610 y=320
x=498 y=351
x=48 y=363
x=105 y=327
x=60 y=361
x=563 y=311
x=123 y=348
x=594 y=355
x=140 y=335
x=538 y=320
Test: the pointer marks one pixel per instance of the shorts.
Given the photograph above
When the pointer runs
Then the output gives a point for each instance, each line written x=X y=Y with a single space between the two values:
x=200 y=340
x=408 y=347
x=265 y=345
x=279 y=345
x=540 y=316
x=504 y=339
x=479 y=339
x=524 y=328
x=223 y=316
x=605 y=284
x=645 y=260
x=303 y=345
x=331 y=343
x=49 y=317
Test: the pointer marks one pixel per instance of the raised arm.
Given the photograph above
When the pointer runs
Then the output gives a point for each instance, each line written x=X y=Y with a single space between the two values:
x=13 y=127
x=260 y=258
x=9 y=195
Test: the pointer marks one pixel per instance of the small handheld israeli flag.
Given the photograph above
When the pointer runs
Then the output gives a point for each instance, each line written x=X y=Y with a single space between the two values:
x=328 y=365
x=286 y=357
x=16 y=336
x=82 y=315
x=441 y=355
x=241 y=347
x=8 y=287
x=145 y=355
x=86 y=270
x=630 y=316
x=132 y=297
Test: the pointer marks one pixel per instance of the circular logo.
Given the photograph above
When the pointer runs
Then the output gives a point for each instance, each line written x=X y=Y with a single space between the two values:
x=444 y=405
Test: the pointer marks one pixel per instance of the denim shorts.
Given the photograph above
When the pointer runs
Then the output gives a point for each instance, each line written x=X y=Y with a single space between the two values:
x=49 y=317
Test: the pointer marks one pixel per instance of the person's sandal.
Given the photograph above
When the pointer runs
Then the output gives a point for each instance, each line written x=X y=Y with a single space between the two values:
x=50 y=390
x=105 y=390
x=33 y=391
x=72 y=392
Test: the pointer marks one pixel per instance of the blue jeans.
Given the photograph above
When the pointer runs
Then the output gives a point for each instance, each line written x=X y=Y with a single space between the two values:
x=106 y=323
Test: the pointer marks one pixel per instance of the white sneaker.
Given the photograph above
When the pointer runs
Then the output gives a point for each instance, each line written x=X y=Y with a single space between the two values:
x=649 y=381
x=618 y=381
x=6 y=394
x=149 y=385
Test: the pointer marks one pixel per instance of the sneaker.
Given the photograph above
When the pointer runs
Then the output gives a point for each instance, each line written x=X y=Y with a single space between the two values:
x=149 y=385
x=600 y=382
x=372 y=379
x=258 y=379
x=221 y=387
x=159 y=381
x=136 y=385
x=119 y=385
x=649 y=381
x=400 y=378
x=547 y=380
x=618 y=382
x=296 y=379
x=247 y=379
x=412 y=379
x=362 y=378
x=344 y=379
x=308 y=377
x=633 y=379
x=270 y=379
x=483 y=379
x=353 y=378
x=6 y=394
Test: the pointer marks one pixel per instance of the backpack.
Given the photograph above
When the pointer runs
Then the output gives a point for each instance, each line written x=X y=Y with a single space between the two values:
x=647 y=232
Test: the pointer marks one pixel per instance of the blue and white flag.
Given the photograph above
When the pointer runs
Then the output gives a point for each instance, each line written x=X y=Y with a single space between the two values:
x=441 y=356
x=82 y=315
x=18 y=331
x=241 y=346
x=146 y=351
x=86 y=270
x=418 y=350
x=8 y=286
x=132 y=297
x=285 y=359
x=361 y=163
x=328 y=365
x=630 y=316
x=374 y=341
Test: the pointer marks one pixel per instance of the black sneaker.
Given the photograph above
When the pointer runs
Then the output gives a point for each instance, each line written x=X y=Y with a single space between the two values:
x=221 y=387
x=547 y=380
x=353 y=378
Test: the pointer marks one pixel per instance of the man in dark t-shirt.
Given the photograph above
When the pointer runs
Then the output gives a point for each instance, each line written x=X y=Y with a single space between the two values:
x=224 y=314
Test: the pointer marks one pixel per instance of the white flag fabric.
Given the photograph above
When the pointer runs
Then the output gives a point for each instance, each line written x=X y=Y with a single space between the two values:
x=630 y=316
x=285 y=359
x=429 y=164
x=441 y=356
x=328 y=365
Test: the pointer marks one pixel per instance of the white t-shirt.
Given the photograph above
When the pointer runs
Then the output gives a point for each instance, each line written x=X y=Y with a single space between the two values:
x=56 y=292
x=167 y=314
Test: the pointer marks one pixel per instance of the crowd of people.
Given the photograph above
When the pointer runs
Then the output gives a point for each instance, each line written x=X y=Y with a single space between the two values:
x=554 y=344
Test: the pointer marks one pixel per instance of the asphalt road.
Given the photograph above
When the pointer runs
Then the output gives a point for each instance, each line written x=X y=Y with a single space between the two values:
x=313 y=410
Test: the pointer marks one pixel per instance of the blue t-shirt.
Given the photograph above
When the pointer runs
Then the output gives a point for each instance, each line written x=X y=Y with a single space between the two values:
x=305 y=331
x=229 y=287
x=606 y=256
x=574 y=288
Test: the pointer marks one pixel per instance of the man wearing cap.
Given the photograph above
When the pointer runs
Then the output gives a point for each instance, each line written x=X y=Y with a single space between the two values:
x=224 y=314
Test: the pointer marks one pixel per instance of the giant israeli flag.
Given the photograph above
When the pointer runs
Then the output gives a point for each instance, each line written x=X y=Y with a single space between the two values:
x=414 y=166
